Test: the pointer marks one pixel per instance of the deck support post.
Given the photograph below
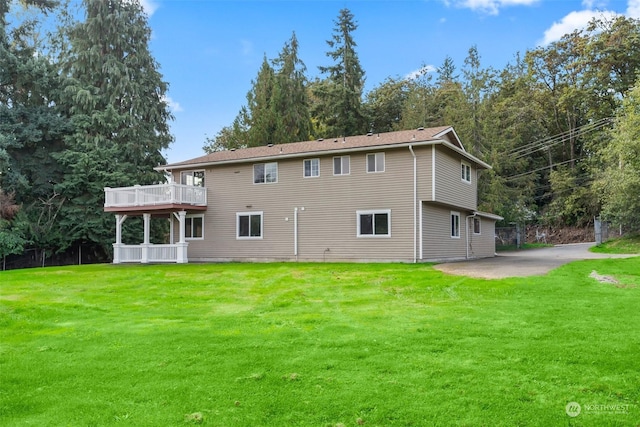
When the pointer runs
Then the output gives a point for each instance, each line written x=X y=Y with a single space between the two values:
x=182 y=244
x=146 y=218
x=117 y=245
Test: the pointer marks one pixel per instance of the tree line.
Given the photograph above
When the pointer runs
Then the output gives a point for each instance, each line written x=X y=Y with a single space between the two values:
x=550 y=122
x=83 y=107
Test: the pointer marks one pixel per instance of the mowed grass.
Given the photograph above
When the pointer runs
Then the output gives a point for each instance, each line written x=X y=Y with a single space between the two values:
x=622 y=245
x=318 y=345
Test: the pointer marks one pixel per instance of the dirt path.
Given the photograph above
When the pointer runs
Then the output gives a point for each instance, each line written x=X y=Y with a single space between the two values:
x=524 y=263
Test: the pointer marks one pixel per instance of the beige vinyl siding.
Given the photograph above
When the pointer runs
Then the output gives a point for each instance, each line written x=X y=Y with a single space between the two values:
x=327 y=225
x=424 y=160
x=483 y=245
x=450 y=188
x=437 y=242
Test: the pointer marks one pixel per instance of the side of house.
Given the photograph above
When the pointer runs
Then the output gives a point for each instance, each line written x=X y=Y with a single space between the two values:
x=400 y=196
x=357 y=205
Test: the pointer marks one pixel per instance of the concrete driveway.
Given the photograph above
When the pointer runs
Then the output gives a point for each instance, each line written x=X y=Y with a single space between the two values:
x=524 y=263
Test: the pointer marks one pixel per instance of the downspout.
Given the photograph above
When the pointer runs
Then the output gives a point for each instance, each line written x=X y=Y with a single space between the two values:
x=466 y=223
x=295 y=232
x=415 y=203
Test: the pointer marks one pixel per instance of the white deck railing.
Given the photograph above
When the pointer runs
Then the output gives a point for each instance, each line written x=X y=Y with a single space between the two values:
x=153 y=195
x=150 y=253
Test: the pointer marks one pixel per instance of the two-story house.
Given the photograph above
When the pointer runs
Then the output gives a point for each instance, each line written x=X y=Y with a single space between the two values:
x=400 y=196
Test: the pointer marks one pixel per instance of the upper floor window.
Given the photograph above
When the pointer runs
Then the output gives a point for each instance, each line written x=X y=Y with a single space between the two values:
x=265 y=173
x=341 y=165
x=311 y=168
x=375 y=223
x=375 y=162
x=466 y=171
x=195 y=178
x=455 y=225
x=194 y=227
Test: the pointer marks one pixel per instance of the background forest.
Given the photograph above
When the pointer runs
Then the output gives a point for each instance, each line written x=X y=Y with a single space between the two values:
x=83 y=106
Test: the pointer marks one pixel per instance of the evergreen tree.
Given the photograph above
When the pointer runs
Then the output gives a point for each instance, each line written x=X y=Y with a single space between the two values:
x=32 y=129
x=289 y=103
x=116 y=99
x=340 y=107
x=260 y=115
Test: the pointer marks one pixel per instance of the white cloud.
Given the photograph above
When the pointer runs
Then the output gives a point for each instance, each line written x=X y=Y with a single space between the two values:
x=491 y=7
x=633 y=9
x=174 y=106
x=420 y=71
x=573 y=21
x=149 y=6
x=579 y=19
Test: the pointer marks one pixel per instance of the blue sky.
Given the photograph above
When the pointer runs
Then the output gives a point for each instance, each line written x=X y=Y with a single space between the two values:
x=210 y=50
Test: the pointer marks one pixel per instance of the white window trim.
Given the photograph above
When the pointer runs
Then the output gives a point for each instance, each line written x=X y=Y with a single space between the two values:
x=239 y=214
x=475 y=218
x=457 y=214
x=304 y=170
x=373 y=212
x=191 y=172
x=191 y=216
x=466 y=165
x=253 y=168
x=334 y=167
x=384 y=162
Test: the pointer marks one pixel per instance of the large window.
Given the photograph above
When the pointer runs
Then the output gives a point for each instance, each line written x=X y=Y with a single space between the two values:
x=249 y=225
x=194 y=227
x=466 y=171
x=375 y=162
x=374 y=223
x=311 y=168
x=341 y=165
x=195 y=178
x=455 y=225
x=265 y=173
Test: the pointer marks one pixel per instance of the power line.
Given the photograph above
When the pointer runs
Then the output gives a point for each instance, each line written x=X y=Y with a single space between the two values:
x=554 y=140
x=543 y=168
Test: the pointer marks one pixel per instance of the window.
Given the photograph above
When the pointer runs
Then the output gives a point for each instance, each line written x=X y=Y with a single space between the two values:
x=455 y=225
x=466 y=172
x=375 y=162
x=374 y=223
x=193 y=227
x=249 y=225
x=265 y=173
x=195 y=178
x=311 y=168
x=476 y=225
x=341 y=165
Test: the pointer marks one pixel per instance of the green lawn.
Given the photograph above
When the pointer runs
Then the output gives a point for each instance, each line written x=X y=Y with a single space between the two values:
x=621 y=245
x=318 y=345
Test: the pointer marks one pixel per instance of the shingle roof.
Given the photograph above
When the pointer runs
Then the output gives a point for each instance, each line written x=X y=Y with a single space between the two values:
x=442 y=133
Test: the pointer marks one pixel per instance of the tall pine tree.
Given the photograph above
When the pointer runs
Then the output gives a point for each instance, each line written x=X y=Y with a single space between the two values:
x=290 y=104
x=116 y=99
x=340 y=108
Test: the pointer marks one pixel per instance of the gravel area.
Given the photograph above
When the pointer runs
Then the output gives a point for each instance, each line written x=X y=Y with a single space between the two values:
x=531 y=262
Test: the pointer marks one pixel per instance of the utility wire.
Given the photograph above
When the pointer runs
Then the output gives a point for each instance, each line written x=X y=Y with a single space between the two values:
x=554 y=140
